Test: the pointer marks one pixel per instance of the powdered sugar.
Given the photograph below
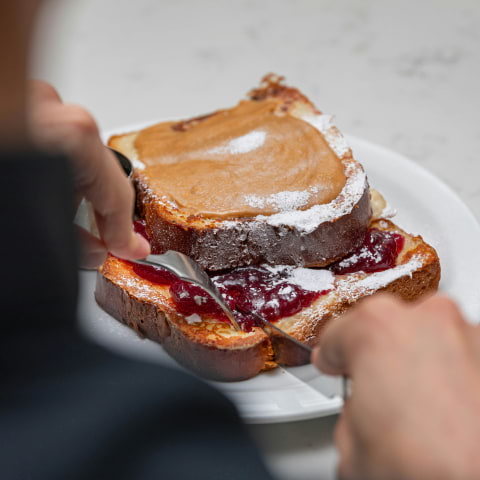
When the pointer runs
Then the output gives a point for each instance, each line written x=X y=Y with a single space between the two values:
x=244 y=144
x=332 y=135
x=194 y=318
x=167 y=201
x=354 y=286
x=136 y=162
x=365 y=254
x=311 y=279
x=199 y=299
x=281 y=201
x=306 y=221
x=160 y=199
x=388 y=212
x=381 y=279
x=143 y=290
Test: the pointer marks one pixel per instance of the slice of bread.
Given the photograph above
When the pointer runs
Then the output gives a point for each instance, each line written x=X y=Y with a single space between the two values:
x=212 y=349
x=289 y=235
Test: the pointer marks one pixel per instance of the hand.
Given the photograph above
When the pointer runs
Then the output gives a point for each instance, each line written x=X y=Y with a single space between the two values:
x=414 y=412
x=69 y=129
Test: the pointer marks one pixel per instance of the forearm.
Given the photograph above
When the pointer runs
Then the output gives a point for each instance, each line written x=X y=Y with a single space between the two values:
x=16 y=21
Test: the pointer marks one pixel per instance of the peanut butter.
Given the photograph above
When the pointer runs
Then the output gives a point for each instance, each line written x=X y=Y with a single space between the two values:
x=245 y=161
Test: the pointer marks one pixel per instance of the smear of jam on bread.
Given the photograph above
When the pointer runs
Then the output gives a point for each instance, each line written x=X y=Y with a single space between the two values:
x=269 y=292
x=379 y=252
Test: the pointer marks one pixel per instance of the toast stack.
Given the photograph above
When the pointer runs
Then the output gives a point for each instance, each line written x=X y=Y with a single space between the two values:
x=269 y=199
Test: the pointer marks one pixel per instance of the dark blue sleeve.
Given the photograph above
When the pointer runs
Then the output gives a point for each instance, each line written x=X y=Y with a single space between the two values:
x=68 y=408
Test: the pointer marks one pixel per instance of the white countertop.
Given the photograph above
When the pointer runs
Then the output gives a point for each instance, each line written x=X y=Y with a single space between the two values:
x=401 y=74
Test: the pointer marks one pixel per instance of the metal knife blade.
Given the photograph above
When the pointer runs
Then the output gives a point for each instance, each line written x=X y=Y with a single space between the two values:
x=327 y=385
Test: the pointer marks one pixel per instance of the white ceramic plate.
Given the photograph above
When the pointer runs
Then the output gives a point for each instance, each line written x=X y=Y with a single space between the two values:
x=425 y=205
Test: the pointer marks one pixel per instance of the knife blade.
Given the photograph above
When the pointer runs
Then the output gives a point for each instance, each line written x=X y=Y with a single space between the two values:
x=327 y=385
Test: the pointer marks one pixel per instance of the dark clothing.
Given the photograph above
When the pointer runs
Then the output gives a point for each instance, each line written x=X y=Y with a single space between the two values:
x=68 y=408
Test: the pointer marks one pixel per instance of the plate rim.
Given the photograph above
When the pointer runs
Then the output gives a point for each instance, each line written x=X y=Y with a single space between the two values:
x=329 y=406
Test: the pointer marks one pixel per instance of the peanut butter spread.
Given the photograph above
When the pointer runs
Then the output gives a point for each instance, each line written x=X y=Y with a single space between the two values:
x=249 y=160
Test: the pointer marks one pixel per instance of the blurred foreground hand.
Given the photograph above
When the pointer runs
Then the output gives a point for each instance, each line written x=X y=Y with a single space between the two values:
x=71 y=130
x=414 y=412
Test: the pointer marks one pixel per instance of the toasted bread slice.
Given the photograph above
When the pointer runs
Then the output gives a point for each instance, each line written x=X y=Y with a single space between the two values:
x=288 y=235
x=214 y=350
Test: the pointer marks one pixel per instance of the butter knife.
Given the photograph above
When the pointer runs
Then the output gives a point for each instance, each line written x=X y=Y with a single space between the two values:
x=187 y=269
x=327 y=385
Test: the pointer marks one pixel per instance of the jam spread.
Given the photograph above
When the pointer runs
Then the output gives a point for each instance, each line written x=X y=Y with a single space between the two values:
x=269 y=292
x=379 y=252
x=261 y=290
x=234 y=163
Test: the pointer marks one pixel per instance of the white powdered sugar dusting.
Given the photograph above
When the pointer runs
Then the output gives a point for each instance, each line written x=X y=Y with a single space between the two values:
x=161 y=199
x=334 y=138
x=388 y=212
x=199 y=299
x=139 y=165
x=281 y=201
x=364 y=254
x=311 y=279
x=244 y=144
x=381 y=279
x=194 y=318
x=141 y=289
x=136 y=162
x=354 y=286
x=167 y=201
x=306 y=221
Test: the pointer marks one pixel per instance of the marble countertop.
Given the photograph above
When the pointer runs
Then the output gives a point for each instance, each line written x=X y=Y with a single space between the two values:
x=401 y=74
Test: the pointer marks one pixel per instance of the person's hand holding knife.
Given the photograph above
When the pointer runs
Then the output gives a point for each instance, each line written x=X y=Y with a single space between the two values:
x=414 y=411
x=69 y=129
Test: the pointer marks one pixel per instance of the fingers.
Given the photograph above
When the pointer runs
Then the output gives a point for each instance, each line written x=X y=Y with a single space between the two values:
x=92 y=251
x=102 y=181
x=348 y=336
x=377 y=322
x=97 y=175
x=112 y=197
x=344 y=443
x=41 y=91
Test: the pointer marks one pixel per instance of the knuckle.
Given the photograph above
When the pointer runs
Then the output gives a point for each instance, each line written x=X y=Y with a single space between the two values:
x=375 y=310
x=380 y=322
x=445 y=304
x=442 y=311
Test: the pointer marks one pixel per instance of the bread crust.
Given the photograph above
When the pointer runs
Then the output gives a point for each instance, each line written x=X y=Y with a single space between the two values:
x=215 y=351
x=205 y=351
x=245 y=243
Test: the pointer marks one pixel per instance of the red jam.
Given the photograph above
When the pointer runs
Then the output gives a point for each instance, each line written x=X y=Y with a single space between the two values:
x=139 y=226
x=379 y=252
x=154 y=275
x=256 y=289
x=265 y=292
x=268 y=292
